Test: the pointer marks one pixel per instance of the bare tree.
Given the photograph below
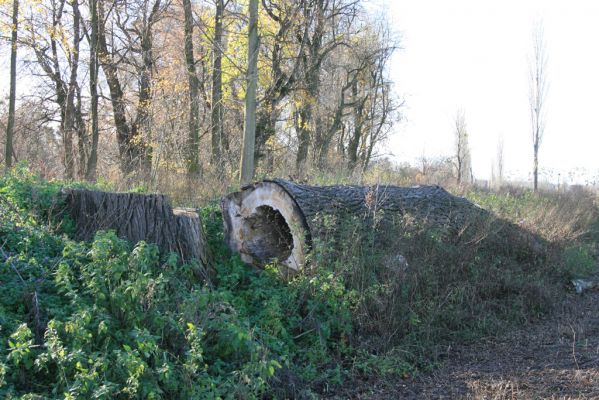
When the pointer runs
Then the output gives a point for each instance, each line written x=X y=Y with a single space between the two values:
x=126 y=42
x=92 y=161
x=55 y=41
x=13 y=85
x=462 y=149
x=249 y=131
x=289 y=34
x=71 y=118
x=218 y=139
x=499 y=160
x=147 y=70
x=194 y=93
x=537 y=95
x=322 y=38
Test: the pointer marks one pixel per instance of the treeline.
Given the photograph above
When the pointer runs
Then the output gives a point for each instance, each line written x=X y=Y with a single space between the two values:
x=139 y=88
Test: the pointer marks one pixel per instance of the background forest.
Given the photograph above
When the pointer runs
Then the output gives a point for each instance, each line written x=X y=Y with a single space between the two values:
x=145 y=90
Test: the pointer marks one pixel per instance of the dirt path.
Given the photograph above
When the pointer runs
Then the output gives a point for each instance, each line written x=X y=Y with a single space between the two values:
x=555 y=359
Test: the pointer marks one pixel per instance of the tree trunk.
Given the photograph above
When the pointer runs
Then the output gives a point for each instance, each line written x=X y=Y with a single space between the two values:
x=218 y=140
x=13 y=85
x=70 y=110
x=82 y=136
x=280 y=219
x=354 y=139
x=92 y=161
x=535 y=169
x=194 y=94
x=249 y=130
x=136 y=217
x=133 y=152
x=302 y=126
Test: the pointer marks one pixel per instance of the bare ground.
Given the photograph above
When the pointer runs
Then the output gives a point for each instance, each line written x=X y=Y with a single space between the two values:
x=557 y=358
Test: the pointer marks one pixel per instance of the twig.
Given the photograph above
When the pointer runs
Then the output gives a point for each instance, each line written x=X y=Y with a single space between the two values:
x=574 y=346
x=12 y=265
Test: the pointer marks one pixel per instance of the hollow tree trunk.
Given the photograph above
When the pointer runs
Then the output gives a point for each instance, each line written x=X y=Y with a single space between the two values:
x=277 y=219
x=136 y=217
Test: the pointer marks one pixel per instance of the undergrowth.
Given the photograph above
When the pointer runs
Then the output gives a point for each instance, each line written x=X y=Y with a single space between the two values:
x=109 y=319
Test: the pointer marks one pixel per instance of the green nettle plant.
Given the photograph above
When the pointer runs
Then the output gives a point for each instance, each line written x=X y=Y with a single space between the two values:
x=110 y=319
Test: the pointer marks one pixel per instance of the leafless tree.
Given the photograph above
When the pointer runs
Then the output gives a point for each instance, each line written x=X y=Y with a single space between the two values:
x=13 y=85
x=143 y=71
x=92 y=161
x=324 y=19
x=537 y=95
x=194 y=93
x=249 y=131
x=219 y=141
x=499 y=160
x=126 y=44
x=55 y=40
x=462 y=149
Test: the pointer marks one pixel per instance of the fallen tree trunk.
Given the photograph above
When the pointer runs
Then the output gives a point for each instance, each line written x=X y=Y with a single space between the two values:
x=278 y=219
x=136 y=217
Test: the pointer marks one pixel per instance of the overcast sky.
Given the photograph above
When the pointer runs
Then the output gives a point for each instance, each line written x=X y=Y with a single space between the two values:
x=473 y=54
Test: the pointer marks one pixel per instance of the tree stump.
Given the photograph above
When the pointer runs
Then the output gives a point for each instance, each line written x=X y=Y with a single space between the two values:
x=135 y=217
x=278 y=219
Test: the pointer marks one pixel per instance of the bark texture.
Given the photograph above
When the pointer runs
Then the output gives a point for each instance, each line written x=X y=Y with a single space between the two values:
x=281 y=219
x=247 y=167
x=136 y=217
x=13 y=86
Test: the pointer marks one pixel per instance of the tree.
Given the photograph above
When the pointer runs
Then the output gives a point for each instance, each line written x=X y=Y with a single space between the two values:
x=218 y=139
x=323 y=20
x=166 y=80
x=537 y=95
x=71 y=118
x=500 y=160
x=194 y=93
x=249 y=131
x=92 y=161
x=128 y=45
x=55 y=41
x=287 y=36
x=13 y=85
x=462 y=149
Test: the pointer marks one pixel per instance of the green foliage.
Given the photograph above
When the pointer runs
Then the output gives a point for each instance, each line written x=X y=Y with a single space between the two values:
x=578 y=261
x=110 y=320
x=440 y=287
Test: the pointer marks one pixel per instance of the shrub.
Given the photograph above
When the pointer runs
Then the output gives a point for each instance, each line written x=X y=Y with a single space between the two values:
x=109 y=319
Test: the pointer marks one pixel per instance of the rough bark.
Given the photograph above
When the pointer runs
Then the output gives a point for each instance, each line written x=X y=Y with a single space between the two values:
x=280 y=219
x=13 y=85
x=247 y=167
x=70 y=109
x=193 y=151
x=128 y=152
x=136 y=217
x=135 y=155
x=216 y=115
x=92 y=161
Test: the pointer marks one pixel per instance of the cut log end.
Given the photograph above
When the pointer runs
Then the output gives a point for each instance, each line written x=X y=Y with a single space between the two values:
x=263 y=223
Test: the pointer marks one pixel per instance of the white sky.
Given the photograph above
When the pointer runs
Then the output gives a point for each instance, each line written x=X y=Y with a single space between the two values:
x=473 y=54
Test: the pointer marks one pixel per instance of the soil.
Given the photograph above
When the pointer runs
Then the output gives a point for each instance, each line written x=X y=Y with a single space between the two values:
x=556 y=358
